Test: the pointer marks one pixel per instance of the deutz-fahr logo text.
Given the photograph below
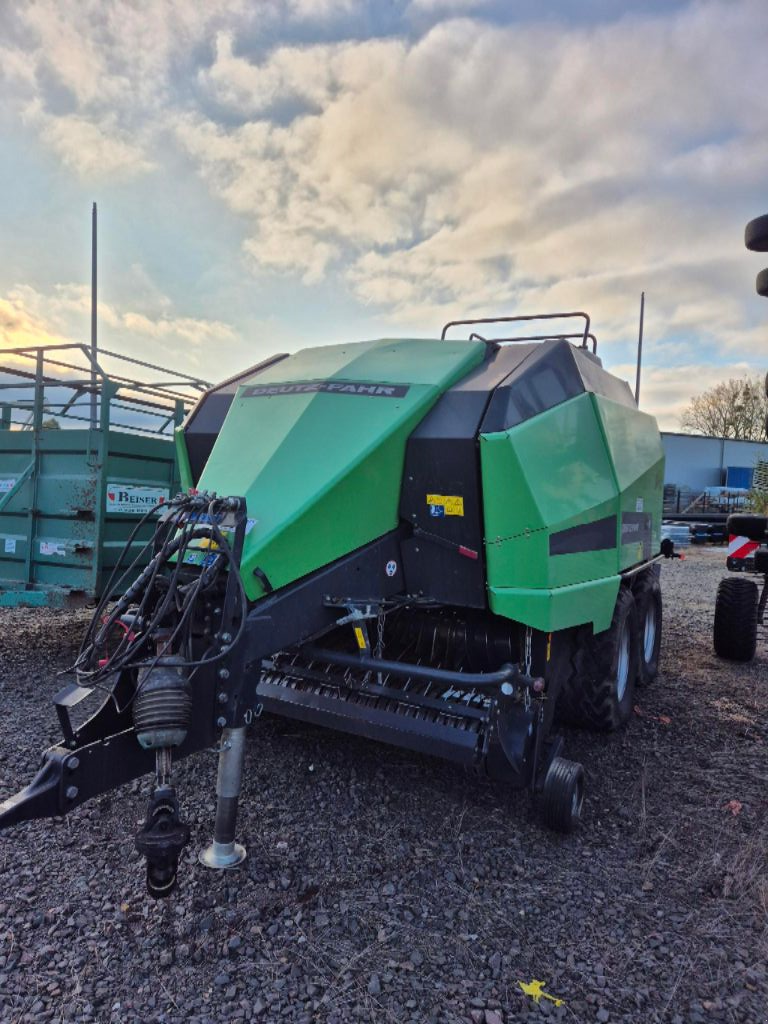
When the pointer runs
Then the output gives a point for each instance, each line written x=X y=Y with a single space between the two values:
x=335 y=387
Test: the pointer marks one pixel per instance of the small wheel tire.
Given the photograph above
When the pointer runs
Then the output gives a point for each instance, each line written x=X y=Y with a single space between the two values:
x=649 y=621
x=735 y=628
x=598 y=691
x=562 y=798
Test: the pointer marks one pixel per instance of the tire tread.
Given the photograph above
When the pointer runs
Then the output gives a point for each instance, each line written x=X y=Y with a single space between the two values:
x=735 y=626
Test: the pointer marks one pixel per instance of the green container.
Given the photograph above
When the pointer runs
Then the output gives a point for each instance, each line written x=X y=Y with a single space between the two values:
x=70 y=497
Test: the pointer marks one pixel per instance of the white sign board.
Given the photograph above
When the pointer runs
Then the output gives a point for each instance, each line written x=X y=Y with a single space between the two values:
x=52 y=547
x=134 y=500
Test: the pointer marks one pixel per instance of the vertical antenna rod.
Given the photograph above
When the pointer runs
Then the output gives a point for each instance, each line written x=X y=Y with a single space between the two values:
x=639 y=349
x=94 y=343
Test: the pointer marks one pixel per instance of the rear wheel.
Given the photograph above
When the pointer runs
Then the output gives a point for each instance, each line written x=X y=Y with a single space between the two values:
x=647 y=594
x=562 y=798
x=599 y=692
x=735 y=630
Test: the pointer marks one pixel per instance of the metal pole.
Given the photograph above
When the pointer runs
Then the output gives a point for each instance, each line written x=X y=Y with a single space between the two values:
x=224 y=852
x=94 y=342
x=639 y=349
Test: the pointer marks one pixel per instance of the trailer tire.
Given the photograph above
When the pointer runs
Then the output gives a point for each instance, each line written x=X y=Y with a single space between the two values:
x=750 y=526
x=599 y=691
x=647 y=594
x=562 y=798
x=735 y=628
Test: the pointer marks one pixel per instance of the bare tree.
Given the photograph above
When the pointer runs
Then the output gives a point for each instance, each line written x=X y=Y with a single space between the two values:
x=734 y=408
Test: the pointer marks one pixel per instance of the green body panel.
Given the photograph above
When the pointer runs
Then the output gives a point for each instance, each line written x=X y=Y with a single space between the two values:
x=634 y=445
x=182 y=459
x=585 y=460
x=560 y=607
x=321 y=472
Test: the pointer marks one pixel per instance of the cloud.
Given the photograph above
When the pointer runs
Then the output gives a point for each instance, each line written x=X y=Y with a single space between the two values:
x=21 y=327
x=462 y=168
x=102 y=74
x=62 y=316
x=452 y=166
x=91 y=150
x=665 y=391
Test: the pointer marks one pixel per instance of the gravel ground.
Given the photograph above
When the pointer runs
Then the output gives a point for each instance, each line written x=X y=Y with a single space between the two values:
x=386 y=886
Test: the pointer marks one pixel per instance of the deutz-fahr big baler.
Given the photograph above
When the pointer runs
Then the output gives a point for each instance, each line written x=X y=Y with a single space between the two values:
x=447 y=545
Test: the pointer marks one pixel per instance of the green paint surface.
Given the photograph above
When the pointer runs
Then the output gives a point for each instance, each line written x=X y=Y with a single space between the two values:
x=633 y=442
x=321 y=472
x=582 y=461
x=550 y=609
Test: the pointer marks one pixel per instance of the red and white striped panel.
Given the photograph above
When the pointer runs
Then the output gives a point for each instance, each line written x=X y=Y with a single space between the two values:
x=741 y=547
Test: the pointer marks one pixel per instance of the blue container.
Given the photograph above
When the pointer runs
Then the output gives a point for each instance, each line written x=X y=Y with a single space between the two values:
x=739 y=476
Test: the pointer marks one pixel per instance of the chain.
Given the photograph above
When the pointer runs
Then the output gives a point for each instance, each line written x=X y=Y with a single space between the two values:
x=379 y=651
x=379 y=642
x=527 y=662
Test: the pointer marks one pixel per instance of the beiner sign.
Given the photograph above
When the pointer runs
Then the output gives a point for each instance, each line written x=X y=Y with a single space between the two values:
x=134 y=500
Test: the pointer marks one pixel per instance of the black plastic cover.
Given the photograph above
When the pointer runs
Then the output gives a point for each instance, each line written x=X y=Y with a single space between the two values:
x=552 y=372
x=442 y=461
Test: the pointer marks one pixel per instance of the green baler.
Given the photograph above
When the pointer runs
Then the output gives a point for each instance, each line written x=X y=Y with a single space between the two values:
x=445 y=545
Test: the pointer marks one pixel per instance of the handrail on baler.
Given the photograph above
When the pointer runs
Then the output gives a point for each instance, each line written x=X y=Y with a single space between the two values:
x=585 y=336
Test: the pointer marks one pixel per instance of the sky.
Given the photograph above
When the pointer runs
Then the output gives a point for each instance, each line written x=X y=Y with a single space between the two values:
x=277 y=174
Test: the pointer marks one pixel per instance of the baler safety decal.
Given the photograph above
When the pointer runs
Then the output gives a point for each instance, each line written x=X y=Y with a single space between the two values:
x=597 y=536
x=369 y=389
x=445 y=505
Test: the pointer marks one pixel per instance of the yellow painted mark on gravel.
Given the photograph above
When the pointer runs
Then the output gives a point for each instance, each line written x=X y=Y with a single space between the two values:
x=535 y=989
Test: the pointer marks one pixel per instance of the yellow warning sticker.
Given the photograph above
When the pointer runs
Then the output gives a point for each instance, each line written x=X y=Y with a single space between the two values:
x=360 y=635
x=445 y=505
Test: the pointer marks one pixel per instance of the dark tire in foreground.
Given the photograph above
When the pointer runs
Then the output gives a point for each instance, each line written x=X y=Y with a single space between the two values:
x=752 y=527
x=562 y=797
x=647 y=594
x=735 y=632
x=599 y=691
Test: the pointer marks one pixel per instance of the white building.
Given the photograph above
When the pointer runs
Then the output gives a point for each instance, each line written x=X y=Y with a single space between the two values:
x=698 y=462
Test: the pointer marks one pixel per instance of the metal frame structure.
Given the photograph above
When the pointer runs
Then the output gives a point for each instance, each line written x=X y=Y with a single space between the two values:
x=167 y=400
x=585 y=335
x=68 y=382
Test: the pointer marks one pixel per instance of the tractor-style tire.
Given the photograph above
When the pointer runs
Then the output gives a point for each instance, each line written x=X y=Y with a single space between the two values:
x=756 y=234
x=599 y=691
x=562 y=797
x=735 y=630
x=752 y=527
x=647 y=594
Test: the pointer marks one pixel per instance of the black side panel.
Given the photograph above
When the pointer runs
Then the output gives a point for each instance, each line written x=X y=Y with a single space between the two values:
x=555 y=372
x=444 y=560
x=202 y=426
x=600 y=382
